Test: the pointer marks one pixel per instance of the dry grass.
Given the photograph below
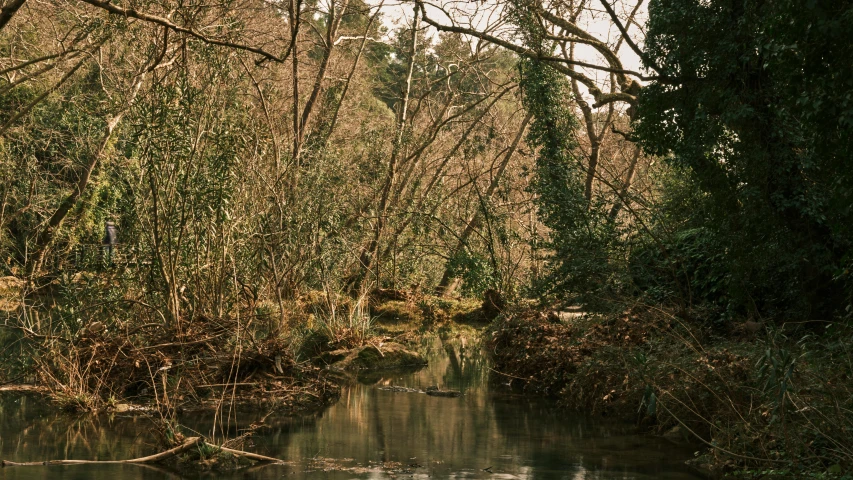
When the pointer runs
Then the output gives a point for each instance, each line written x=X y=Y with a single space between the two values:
x=203 y=362
x=11 y=293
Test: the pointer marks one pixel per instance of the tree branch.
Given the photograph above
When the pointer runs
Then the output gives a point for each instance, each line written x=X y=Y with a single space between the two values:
x=133 y=13
x=508 y=45
x=558 y=63
x=587 y=39
x=608 y=98
x=189 y=443
x=628 y=39
x=34 y=61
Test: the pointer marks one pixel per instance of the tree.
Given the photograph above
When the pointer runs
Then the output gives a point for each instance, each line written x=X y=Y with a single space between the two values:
x=759 y=117
x=556 y=37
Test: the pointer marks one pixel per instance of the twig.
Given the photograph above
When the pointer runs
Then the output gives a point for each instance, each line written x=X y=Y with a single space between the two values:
x=508 y=375
x=179 y=344
x=188 y=444
x=226 y=384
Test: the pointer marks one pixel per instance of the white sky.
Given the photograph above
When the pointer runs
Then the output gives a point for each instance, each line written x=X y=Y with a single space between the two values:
x=487 y=14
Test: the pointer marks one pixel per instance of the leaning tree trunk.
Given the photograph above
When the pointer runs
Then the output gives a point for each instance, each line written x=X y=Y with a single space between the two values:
x=334 y=22
x=8 y=11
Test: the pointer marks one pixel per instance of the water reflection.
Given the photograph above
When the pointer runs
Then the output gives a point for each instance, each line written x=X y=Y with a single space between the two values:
x=372 y=433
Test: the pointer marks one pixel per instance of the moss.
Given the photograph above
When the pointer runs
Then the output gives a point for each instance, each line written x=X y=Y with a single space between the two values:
x=438 y=310
x=395 y=317
x=369 y=356
x=206 y=459
x=396 y=311
x=390 y=355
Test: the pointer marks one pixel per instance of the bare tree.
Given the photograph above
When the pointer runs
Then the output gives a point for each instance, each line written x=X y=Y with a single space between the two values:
x=585 y=49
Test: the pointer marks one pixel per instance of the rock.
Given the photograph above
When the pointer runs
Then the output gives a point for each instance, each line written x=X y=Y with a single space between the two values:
x=567 y=316
x=128 y=407
x=556 y=317
x=385 y=356
x=676 y=434
x=753 y=327
x=436 y=392
x=96 y=328
x=123 y=408
x=369 y=357
x=330 y=358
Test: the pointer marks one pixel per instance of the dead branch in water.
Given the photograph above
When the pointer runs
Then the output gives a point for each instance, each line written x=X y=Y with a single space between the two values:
x=188 y=444
x=250 y=456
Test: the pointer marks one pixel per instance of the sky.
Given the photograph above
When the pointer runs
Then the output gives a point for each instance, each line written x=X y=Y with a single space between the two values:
x=487 y=14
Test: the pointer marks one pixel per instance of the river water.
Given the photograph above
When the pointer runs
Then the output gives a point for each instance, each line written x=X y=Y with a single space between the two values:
x=371 y=432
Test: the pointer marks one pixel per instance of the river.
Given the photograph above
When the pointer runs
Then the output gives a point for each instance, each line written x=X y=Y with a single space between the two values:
x=371 y=432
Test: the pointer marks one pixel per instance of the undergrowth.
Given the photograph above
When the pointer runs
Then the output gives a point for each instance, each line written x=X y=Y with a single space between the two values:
x=778 y=398
x=124 y=352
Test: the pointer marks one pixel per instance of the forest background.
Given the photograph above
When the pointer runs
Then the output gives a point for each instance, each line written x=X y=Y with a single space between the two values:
x=252 y=152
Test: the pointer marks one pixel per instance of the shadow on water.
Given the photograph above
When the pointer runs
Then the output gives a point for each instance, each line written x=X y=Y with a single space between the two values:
x=371 y=432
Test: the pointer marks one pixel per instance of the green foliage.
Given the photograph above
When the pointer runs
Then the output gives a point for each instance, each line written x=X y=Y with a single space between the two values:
x=475 y=271
x=45 y=157
x=759 y=119
x=775 y=373
x=690 y=270
x=586 y=257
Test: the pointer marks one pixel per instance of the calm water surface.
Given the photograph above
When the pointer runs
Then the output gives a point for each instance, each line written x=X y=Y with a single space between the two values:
x=370 y=433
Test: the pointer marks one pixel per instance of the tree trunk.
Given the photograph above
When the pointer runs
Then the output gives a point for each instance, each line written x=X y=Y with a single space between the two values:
x=333 y=22
x=369 y=254
x=622 y=197
x=593 y=165
x=294 y=14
